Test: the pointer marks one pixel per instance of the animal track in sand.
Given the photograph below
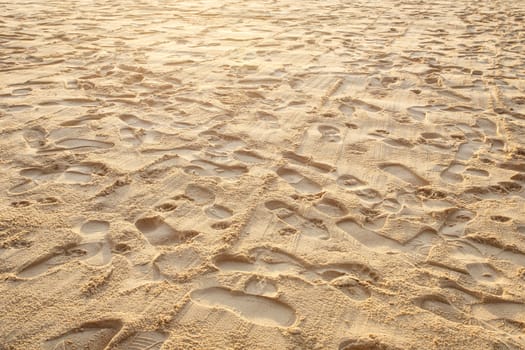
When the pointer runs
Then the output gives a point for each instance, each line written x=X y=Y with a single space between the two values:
x=93 y=253
x=90 y=335
x=255 y=309
x=158 y=232
x=306 y=226
x=298 y=181
x=143 y=341
x=402 y=172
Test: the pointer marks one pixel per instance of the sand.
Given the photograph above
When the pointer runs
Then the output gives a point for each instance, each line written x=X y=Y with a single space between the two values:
x=262 y=174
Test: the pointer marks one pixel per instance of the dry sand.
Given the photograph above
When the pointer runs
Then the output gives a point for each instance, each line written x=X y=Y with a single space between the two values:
x=262 y=174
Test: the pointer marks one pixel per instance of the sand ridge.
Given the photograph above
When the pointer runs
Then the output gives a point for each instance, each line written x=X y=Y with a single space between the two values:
x=262 y=175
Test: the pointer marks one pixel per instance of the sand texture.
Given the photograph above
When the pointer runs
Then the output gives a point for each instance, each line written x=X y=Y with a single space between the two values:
x=225 y=174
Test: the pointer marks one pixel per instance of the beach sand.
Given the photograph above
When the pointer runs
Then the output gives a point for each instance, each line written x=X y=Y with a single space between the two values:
x=262 y=174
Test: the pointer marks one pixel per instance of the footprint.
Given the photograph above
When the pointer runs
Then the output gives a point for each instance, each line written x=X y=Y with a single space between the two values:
x=466 y=150
x=418 y=113
x=440 y=306
x=179 y=262
x=143 y=341
x=364 y=344
x=369 y=195
x=255 y=309
x=331 y=207
x=456 y=221
x=310 y=227
x=500 y=218
x=157 y=232
x=152 y=340
x=246 y=156
x=262 y=261
x=298 y=181
x=94 y=226
x=368 y=238
x=349 y=182
x=403 y=173
x=218 y=212
x=35 y=137
x=489 y=128
x=351 y=279
x=477 y=172
x=94 y=253
x=500 y=310
x=76 y=143
x=135 y=121
x=258 y=285
x=329 y=133
x=484 y=273
x=452 y=173
x=129 y=135
x=91 y=335
x=391 y=205
x=199 y=194
x=208 y=168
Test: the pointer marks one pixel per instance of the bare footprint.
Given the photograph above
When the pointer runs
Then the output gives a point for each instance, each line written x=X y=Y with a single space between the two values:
x=440 y=306
x=331 y=207
x=253 y=308
x=199 y=194
x=403 y=173
x=349 y=182
x=158 y=232
x=258 y=285
x=368 y=238
x=298 y=181
x=217 y=211
x=178 y=263
x=98 y=253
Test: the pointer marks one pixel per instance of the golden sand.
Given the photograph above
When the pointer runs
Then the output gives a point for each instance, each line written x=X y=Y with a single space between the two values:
x=262 y=174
